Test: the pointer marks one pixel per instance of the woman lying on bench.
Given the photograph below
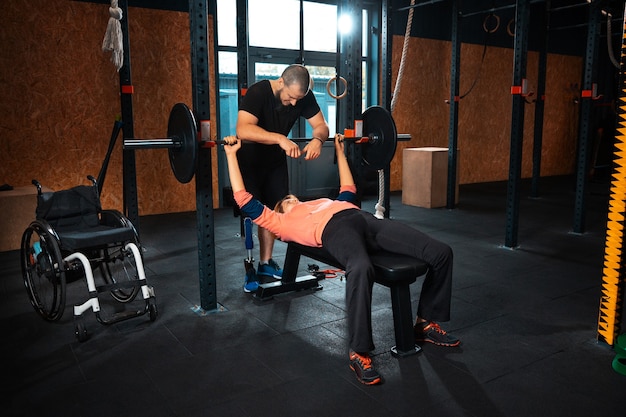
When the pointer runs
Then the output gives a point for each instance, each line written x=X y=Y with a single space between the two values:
x=349 y=233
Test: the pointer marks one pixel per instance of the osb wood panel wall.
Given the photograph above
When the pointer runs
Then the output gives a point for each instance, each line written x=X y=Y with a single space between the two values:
x=485 y=113
x=60 y=98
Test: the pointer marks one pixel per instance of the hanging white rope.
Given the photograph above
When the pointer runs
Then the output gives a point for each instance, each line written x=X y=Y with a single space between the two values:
x=608 y=40
x=380 y=207
x=405 y=48
x=113 y=37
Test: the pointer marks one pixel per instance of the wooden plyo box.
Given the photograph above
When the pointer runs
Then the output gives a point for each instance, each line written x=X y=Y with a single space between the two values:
x=425 y=177
x=17 y=210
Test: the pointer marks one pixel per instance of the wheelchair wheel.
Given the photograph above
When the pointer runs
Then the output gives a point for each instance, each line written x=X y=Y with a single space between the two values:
x=152 y=309
x=43 y=271
x=80 y=330
x=119 y=267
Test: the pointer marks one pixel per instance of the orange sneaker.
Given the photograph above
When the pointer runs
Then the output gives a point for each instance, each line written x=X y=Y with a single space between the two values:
x=361 y=364
x=431 y=332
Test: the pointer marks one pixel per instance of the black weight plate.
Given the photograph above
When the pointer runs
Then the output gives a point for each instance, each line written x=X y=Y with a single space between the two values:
x=182 y=128
x=377 y=121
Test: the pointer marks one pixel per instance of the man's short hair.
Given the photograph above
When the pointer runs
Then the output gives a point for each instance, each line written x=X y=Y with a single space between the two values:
x=299 y=75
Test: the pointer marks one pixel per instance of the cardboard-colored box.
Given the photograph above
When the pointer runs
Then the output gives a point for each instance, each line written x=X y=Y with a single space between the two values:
x=425 y=177
x=17 y=210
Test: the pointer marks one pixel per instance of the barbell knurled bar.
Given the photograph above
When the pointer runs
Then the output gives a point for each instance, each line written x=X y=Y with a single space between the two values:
x=361 y=139
x=378 y=144
x=164 y=143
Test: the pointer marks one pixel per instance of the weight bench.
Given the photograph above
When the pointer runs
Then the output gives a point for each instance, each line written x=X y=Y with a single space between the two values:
x=393 y=271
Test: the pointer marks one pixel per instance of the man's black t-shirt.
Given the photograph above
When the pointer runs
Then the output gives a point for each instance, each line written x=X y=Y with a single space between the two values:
x=273 y=116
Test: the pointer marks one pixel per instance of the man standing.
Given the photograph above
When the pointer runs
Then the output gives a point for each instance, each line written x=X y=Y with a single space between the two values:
x=266 y=115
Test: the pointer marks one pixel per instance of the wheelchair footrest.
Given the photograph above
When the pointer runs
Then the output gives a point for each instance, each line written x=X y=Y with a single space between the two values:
x=120 y=316
x=120 y=285
x=81 y=331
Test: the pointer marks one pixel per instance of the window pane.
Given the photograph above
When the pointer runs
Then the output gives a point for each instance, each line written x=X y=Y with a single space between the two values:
x=229 y=96
x=227 y=22
x=365 y=32
x=277 y=26
x=320 y=75
x=364 y=77
x=320 y=27
x=227 y=62
x=268 y=71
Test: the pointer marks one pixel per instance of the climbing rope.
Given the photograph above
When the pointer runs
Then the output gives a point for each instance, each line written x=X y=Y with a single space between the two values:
x=380 y=205
x=113 y=37
x=405 y=47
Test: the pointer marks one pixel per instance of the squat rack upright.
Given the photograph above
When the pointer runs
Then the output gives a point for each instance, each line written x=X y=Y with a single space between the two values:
x=200 y=78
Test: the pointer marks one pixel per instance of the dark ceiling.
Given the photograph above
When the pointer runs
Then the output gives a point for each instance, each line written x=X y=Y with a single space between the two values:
x=567 y=22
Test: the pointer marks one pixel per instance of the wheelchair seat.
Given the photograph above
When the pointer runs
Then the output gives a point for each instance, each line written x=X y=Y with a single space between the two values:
x=70 y=237
x=74 y=215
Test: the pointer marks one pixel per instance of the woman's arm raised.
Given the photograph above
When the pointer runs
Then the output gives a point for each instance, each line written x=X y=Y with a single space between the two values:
x=345 y=175
x=234 y=173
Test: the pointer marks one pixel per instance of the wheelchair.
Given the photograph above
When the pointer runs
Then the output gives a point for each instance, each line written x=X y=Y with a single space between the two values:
x=70 y=238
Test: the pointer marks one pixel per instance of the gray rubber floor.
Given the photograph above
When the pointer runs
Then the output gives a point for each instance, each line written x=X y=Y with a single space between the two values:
x=527 y=318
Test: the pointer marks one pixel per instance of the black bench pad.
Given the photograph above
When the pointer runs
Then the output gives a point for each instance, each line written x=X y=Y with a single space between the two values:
x=391 y=268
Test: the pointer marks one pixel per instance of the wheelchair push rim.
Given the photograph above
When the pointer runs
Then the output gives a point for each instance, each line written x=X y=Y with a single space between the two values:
x=43 y=272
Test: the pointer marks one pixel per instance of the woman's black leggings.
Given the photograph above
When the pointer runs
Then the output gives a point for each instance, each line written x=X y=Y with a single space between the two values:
x=351 y=234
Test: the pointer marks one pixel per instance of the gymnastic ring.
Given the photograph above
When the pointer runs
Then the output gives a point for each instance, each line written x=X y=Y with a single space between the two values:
x=508 y=28
x=496 y=27
x=345 y=88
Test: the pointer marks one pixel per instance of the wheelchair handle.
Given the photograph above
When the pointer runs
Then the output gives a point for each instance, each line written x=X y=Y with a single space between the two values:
x=36 y=184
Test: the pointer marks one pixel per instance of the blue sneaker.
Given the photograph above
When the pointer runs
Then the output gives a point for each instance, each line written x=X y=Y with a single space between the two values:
x=270 y=269
x=251 y=281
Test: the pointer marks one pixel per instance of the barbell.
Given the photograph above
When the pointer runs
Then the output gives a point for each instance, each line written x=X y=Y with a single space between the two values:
x=377 y=144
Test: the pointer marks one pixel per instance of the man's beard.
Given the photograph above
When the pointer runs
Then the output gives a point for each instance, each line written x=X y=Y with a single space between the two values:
x=280 y=107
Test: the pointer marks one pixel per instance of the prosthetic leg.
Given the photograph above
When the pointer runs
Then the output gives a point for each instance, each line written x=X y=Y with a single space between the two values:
x=251 y=283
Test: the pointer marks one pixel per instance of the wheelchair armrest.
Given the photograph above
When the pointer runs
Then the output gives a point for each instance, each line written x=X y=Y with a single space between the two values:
x=114 y=218
x=45 y=226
